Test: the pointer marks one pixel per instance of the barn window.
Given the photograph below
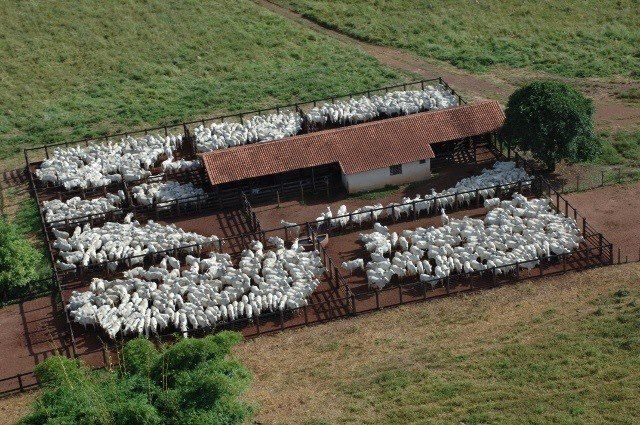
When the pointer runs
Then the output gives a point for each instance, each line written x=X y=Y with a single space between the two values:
x=395 y=169
x=423 y=161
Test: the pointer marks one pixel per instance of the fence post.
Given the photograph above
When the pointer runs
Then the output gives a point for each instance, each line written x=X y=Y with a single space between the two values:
x=377 y=298
x=20 y=382
x=105 y=356
x=600 y=246
x=281 y=320
x=400 y=292
x=611 y=254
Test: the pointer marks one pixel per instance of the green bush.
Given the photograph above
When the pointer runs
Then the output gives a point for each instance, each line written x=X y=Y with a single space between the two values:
x=551 y=120
x=190 y=382
x=19 y=260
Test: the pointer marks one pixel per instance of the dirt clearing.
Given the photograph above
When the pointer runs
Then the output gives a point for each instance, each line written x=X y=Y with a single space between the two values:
x=614 y=211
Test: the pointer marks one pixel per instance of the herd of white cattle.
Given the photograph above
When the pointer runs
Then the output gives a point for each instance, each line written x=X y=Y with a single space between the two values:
x=114 y=241
x=353 y=111
x=503 y=174
x=57 y=211
x=513 y=231
x=200 y=292
x=101 y=164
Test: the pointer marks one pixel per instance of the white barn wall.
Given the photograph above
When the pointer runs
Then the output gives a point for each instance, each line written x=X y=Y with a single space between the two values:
x=381 y=177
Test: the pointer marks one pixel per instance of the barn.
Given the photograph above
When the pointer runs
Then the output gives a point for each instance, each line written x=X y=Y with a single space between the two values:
x=361 y=157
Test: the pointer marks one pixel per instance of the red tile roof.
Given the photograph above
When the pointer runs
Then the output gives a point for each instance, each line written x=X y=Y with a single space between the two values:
x=356 y=148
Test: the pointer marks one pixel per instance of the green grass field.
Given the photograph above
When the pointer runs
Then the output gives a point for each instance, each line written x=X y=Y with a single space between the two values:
x=77 y=69
x=575 y=38
x=562 y=350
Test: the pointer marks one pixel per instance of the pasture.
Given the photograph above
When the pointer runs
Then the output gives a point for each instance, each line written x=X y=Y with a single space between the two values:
x=105 y=66
x=561 y=350
x=573 y=38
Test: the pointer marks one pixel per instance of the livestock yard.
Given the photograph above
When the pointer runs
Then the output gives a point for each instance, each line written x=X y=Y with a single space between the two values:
x=339 y=212
x=149 y=235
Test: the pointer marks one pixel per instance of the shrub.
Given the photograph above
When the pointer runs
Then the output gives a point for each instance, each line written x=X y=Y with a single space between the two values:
x=551 y=120
x=191 y=382
x=18 y=259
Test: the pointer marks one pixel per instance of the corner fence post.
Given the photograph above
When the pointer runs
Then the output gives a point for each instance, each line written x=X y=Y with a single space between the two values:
x=600 y=247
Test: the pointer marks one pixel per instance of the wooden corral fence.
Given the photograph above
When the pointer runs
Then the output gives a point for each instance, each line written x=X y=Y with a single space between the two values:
x=411 y=210
x=179 y=207
x=275 y=194
x=32 y=290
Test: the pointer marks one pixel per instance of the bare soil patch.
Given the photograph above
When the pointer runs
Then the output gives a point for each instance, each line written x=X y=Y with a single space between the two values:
x=614 y=211
x=31 y=332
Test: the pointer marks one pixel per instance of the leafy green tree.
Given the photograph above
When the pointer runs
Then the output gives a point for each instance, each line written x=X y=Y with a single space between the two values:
x=19 y=260
x=194 y=381
x=551 y=120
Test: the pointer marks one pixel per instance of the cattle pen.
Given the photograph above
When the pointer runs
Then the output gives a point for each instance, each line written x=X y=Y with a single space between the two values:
x=231 y=213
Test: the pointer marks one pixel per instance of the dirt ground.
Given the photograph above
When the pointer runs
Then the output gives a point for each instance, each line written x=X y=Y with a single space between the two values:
x=614 y=211
x=31 y=332
x=297 y=212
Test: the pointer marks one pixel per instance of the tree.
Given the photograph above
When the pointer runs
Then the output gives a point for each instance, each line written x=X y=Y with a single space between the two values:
x=551 y=120
x=18 y=259
x=194 y=381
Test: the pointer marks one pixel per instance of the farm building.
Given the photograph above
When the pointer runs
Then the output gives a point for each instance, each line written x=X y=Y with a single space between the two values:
x=364 y=156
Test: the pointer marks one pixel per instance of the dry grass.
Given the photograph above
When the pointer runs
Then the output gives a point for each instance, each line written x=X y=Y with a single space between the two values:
x=557 y=350
x=14 y=407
